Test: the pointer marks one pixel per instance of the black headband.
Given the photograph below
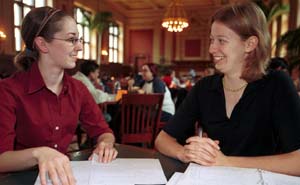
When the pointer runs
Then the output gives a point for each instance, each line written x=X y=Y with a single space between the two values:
x=46 y=19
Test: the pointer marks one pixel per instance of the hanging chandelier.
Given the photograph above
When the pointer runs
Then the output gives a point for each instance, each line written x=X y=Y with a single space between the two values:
x=175 y=19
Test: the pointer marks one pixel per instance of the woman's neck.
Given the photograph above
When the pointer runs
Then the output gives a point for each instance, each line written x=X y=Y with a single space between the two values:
x=52 y=77
x=233 y=81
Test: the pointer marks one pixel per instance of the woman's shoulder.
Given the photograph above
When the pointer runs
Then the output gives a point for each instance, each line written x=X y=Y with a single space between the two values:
x=276 y=76
x=158 y=82
x=16 y=80
x=210 y=82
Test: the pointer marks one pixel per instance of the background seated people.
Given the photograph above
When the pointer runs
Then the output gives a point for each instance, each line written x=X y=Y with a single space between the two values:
x=209 y=71
x=153 y=84
x=294 y=70
x=88 y=75
x=40 y=105
x=251 y=118
x=278 y=63
x=167 y=78
x=175 y=83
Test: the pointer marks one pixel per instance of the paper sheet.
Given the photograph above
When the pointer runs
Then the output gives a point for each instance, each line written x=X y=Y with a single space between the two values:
x=279 y=179
x=200 y=175
x=118 y=172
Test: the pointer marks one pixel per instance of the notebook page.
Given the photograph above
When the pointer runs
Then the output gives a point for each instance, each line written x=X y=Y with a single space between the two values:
x=201 y=175
x=271 y=178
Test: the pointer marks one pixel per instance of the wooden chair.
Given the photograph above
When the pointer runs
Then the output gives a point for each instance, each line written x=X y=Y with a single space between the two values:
x=140 y=114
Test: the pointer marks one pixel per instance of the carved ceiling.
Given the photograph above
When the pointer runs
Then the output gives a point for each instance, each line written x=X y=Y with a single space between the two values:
x=130 y=7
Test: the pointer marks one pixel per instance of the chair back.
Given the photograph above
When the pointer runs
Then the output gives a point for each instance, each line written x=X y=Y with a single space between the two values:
x=140 y=114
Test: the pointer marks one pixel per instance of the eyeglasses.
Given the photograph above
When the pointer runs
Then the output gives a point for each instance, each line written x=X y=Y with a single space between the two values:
x=72 y=40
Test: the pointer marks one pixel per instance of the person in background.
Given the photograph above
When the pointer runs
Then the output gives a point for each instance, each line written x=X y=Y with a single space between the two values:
x=209 y=71
x=89 y=76
x=167 y=79
x=193 y=75
x=153 y=84
x=40 y=105
x=250 y=118
x=294 y=71
x=175 y=81
x=278 y=63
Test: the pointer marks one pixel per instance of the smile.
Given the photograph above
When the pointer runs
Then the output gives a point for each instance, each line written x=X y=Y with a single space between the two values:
x=217 y=58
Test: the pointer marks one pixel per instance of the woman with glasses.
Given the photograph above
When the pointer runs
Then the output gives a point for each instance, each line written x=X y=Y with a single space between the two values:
x=250 y=118
x=40 y=106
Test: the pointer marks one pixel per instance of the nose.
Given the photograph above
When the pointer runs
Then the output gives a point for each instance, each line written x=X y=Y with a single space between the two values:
x=79 y=46
x=212 y=48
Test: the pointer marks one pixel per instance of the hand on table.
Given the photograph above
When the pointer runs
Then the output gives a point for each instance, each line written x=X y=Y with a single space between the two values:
x=56 y=164
x=105 y=151
x=200 y=150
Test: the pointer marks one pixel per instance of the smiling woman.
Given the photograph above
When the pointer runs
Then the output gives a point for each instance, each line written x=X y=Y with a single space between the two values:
x=250 y=117
x=40 y=105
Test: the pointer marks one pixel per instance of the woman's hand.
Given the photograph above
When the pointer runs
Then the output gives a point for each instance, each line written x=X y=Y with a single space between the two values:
x=105 y=151
x=141 y=91
x=200 y=150
x=56 y=164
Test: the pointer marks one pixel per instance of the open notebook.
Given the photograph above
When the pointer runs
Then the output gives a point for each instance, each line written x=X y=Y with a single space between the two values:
x=200 y=175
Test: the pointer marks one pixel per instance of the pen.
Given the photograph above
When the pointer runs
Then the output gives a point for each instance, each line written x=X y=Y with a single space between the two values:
x=200 y=131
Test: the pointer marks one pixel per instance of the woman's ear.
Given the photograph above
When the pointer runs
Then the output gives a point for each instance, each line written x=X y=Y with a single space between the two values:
x=251 y=43
x=40 y=44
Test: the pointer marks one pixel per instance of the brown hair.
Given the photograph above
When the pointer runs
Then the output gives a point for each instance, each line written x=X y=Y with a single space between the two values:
x=247 y=19
x=152 y=67
x=43 y=21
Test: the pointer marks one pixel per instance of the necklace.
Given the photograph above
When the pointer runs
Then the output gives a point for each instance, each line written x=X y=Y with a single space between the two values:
x=233 y=90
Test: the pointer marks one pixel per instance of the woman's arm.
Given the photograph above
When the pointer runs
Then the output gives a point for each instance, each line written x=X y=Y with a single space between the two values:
x=199 y=150
x=288 y=163
x=50 y=161
x=105 y=148
x=168 y=145
x=17 y=160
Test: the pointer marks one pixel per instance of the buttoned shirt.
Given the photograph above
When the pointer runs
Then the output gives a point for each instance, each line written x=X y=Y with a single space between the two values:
x=265 y=121
x=31 y=115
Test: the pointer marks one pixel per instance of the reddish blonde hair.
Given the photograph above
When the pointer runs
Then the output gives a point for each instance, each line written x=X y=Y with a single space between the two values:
x=246 y=19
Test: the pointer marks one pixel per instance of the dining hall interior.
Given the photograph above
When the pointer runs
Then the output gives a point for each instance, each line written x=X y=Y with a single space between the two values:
x=148 y=79
x=120 y=36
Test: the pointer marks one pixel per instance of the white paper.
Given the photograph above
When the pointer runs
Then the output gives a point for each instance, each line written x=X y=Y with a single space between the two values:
x=201 y=175
x=81 y=171
x=175 y=178
x=118 y=172
x=279 y=179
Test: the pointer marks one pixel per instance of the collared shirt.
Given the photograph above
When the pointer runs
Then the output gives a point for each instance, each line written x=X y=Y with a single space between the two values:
x=31 y=115
x=265 y=121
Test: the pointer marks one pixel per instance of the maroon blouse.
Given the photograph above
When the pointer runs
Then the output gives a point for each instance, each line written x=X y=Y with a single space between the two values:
x=31 y=115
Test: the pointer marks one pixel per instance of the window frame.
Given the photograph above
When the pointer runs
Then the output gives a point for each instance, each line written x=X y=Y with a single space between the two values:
x=84 y=25
x=113 y=43
x=22 y=5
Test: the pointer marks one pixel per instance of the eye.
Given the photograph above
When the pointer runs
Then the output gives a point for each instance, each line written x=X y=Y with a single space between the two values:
x=73 y=40
x=222 y=41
